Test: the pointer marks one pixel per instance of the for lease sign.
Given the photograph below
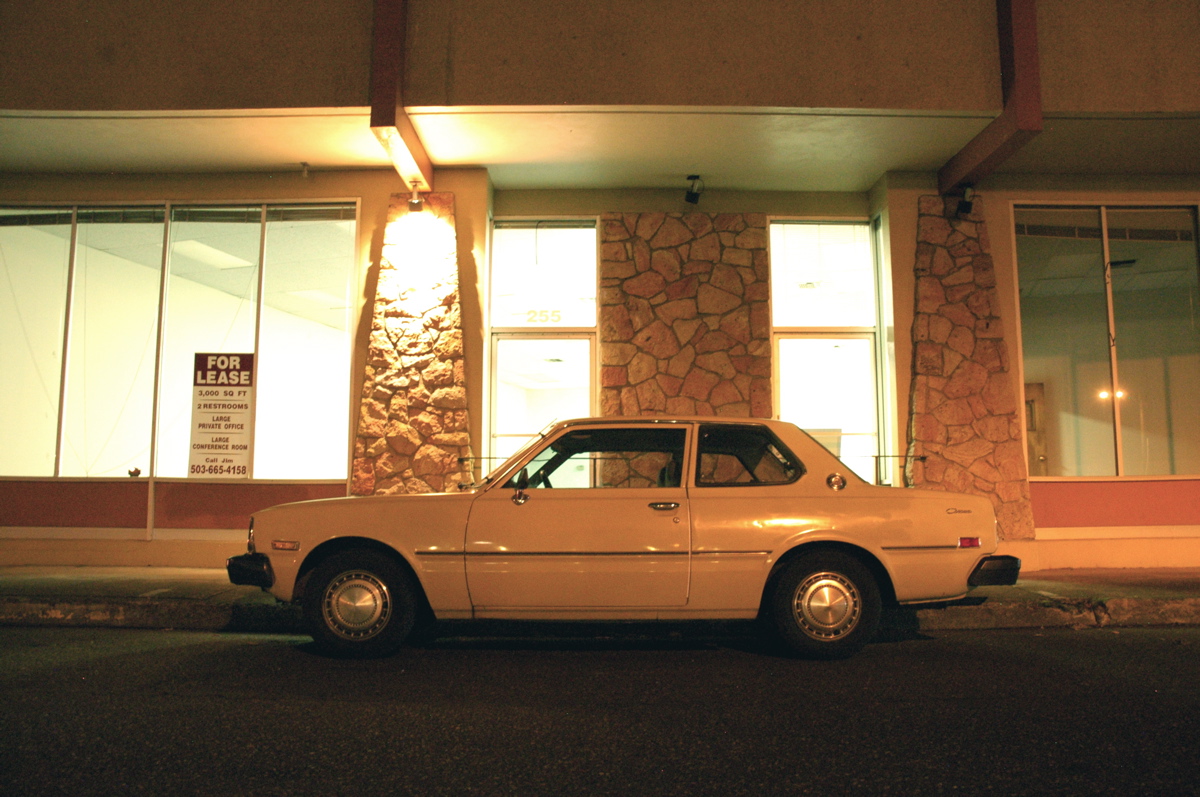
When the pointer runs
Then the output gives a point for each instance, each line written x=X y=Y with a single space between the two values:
x=222 y=416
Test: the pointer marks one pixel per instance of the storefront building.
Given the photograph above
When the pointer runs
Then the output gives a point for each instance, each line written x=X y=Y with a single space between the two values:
x=260 y=252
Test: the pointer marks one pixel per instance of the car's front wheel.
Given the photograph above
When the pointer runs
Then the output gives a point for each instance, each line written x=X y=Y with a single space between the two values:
x=360 y=603
x=826 y=605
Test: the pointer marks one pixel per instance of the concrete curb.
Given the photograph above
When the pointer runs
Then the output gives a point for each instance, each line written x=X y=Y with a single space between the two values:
x=188 y=615
x=260 y=616
x=1135 y=611
x=1065 y=613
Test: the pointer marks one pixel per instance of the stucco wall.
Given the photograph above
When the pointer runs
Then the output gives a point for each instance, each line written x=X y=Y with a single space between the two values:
x=473 y=199
x=1124 y=55
x=1119 y=56
x=772 y=53
x=128 y=55
x=548 y=203
x=923 y=55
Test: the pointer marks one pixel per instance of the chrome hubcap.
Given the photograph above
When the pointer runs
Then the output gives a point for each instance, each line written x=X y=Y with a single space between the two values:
x=357 y=605
x=827 y=606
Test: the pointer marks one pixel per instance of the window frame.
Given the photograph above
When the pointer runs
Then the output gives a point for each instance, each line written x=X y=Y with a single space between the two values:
x=882 y=347
x=1101 y=207
x=497 y=333
x=678 y=454
x=797 y=464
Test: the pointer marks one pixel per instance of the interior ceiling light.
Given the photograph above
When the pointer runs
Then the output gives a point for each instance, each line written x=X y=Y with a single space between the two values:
x=209 y=255
x=414 y=202
x=320 y=297
x=692 y=195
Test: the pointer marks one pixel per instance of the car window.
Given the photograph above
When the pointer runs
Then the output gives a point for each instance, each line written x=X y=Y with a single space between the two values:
x=744 y=454
x=622 y=457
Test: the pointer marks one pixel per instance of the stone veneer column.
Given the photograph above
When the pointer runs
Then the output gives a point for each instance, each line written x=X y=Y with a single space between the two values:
x=964 y=406
x=684 y=322
x=412 y=428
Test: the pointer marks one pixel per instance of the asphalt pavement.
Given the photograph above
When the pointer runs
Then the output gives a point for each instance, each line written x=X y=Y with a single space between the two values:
x=203 y=599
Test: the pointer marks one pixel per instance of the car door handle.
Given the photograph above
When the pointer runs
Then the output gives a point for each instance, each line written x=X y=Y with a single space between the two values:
x=664 y=506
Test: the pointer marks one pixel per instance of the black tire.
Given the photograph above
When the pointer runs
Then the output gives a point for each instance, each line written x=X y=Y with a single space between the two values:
x=360 y=604
x=825 y=605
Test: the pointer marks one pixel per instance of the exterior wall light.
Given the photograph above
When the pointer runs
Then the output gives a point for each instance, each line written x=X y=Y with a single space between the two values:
x=967 y=203
x=415 y=203
x=692 y=195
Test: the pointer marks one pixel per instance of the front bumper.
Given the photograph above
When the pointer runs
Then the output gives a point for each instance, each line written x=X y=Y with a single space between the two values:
x=250 y=569
x=995 y=571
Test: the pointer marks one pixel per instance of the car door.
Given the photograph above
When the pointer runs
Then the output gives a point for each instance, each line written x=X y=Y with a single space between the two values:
x=602 y=523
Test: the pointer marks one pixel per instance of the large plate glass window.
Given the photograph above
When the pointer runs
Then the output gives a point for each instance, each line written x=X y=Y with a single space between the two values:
x=35 y=258
x=305 y=332
x=543 y=323
x=212 y=302
x=822 y=275
x=109 y=396
x=825 y=313
x=91 y=322
x=543 y=275
x=1110 y=332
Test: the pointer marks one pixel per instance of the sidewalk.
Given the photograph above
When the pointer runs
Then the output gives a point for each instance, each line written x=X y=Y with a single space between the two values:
x=203 y=599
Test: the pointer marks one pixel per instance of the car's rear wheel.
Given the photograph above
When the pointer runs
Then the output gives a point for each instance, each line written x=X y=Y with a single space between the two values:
x=826 y=605
x=360 y=603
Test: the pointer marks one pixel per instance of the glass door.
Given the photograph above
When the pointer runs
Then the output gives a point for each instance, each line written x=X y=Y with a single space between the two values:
x=827 y=387
x=826 y=316
x=543 y=321
x=535 y=381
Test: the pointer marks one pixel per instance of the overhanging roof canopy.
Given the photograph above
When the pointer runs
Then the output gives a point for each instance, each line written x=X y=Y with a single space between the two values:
x=608 y=146
x=748 y=149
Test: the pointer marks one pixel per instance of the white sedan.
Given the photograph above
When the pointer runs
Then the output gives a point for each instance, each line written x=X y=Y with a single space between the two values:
x=631 y=519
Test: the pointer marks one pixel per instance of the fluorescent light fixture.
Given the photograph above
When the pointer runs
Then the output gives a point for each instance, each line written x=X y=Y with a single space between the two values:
x=209 y=255
x=324 y=298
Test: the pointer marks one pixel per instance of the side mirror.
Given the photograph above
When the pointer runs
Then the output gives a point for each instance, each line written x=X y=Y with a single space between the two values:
x=520 y=483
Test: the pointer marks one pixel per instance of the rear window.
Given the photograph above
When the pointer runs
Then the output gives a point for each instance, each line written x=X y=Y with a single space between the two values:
x=738 y=454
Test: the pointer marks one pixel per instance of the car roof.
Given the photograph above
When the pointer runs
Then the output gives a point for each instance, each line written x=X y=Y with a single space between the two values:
x=664 y=419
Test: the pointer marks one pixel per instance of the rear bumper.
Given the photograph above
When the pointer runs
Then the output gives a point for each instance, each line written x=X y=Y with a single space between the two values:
x=995 y=571
x=250 y=569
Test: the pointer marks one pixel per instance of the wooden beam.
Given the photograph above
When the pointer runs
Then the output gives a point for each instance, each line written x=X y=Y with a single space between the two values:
x=1020 y=82
x=389 y=120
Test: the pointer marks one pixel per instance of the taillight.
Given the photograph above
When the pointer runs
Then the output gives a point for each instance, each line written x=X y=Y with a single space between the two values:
x=968 y=542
